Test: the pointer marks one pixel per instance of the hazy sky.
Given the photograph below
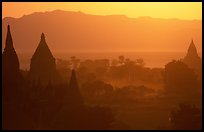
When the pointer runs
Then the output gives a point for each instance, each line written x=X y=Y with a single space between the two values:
x=180 y=10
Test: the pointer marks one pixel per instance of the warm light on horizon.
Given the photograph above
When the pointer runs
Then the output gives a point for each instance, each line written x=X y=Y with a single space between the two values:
x=168 y=10
x=102 y=65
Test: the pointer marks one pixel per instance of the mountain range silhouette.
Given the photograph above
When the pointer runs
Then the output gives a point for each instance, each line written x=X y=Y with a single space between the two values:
x=76 y=31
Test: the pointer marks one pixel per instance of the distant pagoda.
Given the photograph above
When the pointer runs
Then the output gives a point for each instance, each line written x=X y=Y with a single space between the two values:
x=193 y=60
x=43 y=66
x=74 y=96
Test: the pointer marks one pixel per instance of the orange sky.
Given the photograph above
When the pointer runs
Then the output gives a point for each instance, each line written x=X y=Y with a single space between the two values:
x=180 y=10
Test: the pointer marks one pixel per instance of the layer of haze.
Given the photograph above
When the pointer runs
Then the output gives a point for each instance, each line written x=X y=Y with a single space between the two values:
x=179 y=10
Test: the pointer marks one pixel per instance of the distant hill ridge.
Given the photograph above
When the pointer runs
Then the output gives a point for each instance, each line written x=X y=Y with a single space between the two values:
x=77 y=31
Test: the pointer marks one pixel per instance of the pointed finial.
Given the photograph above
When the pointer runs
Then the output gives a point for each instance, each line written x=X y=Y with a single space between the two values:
x=9 y=41
x=73 y=74
x=42 y=35
x=42 y=40
x=192 y=41
x=73 y=81
x=8 y=28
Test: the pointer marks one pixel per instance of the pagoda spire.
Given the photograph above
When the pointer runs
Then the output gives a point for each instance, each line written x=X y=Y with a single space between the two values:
x=42 y=49
x=192 y=51
x=73 y=81
x=43 y=64
x=193 y=60
x=42 y=40
x=9 y=40
x=74 y=94
x=10 y=62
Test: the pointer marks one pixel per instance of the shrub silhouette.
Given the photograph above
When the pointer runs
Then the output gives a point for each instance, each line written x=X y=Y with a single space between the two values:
x=186 y=117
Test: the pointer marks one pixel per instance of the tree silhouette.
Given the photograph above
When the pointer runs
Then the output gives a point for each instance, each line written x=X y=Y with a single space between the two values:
x=186 y=117
x=181 y=81
x=121 y=59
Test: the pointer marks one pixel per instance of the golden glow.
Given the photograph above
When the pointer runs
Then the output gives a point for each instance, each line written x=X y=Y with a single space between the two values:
x=179 y=10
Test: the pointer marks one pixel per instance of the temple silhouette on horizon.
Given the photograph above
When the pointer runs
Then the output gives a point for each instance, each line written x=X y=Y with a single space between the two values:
x=193 y=60
x=42 y=84
x=43 y=66
x=39 y=99
x=10 y=61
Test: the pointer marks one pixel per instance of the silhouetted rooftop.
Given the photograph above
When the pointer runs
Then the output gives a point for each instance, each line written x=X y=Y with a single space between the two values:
x=42 y=49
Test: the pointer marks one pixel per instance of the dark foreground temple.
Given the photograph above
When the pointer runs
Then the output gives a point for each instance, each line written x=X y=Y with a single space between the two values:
x=40 y=100
x=43 y=66
x=10 y=62
x=12 y=81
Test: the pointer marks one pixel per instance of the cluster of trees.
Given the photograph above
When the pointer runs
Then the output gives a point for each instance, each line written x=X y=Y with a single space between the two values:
x=181 y=84
x=183 y=88
x=29 y=103
x=121 y=70
x=47 y=107
x=186 y=117
x=99 y=92
x=100 y=80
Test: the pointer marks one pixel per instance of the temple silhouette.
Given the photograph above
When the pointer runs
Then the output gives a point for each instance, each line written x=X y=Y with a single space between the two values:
x=193 y=60
x=12 y=84
x=43 y=66
x=40 y=100
x=74 y=95
x=10 y=62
